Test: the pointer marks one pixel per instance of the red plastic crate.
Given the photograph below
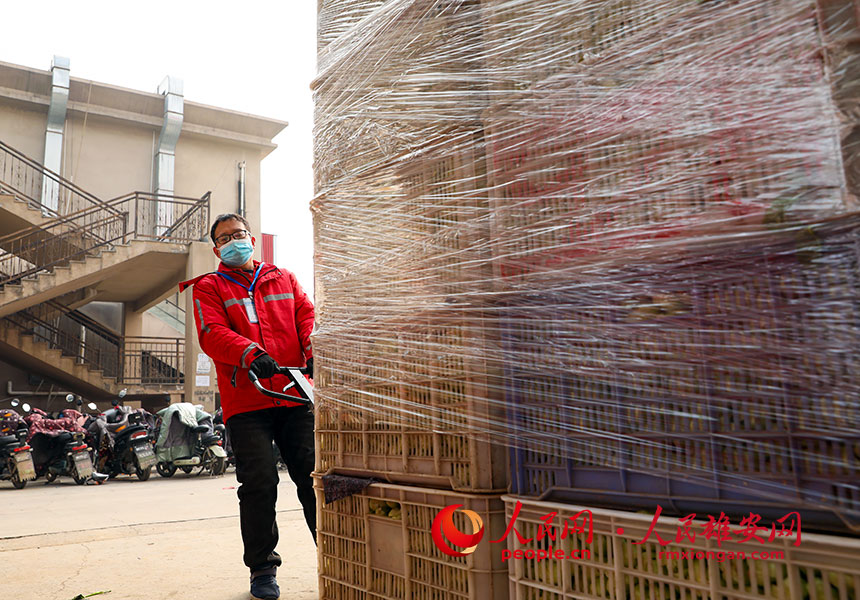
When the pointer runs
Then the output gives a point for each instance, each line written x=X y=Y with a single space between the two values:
x=364 y=556
x=572 y=178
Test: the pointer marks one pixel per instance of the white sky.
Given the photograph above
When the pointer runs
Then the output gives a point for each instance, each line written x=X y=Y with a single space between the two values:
x=252 y=56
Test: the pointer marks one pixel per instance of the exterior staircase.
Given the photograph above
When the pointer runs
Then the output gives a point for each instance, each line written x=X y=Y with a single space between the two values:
x=102 y=276
x=17 y=214
x=40 y=357
x=60 y=248
x=90 y=360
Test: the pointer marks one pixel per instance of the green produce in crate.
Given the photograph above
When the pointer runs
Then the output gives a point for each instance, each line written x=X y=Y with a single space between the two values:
x=849 y=583
x=378 y=507
x=395 y=513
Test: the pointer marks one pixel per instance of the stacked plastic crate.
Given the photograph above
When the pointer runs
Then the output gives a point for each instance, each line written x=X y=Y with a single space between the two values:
x=401 y=249
x=616 y=237
x=672 y=189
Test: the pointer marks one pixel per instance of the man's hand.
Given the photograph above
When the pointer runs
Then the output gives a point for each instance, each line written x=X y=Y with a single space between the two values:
x=264 y=366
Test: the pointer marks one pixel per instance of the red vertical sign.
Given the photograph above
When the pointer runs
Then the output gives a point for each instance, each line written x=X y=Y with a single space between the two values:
x=269 y=248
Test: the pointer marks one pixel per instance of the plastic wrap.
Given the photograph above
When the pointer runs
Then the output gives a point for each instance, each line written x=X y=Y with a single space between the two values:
x=592 y=250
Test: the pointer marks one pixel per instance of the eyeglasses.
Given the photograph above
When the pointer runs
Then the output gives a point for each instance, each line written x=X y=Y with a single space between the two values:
x=236 y=235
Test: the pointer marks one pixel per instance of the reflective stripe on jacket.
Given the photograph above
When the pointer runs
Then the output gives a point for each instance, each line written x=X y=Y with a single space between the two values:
x=285 y=321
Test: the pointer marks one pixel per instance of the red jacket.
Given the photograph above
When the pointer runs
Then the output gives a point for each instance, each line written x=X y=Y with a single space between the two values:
x=285 y=320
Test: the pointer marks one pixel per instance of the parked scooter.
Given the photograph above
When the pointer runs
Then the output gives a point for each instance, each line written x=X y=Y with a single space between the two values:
x=188 y=440
x=16 y=461
x=131 y=451
x=58 y=453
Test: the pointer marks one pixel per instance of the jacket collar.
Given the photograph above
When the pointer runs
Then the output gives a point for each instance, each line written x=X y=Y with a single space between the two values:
x=267 y=272
x=222 y=268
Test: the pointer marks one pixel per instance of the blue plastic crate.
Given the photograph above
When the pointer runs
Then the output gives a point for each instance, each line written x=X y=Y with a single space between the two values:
x=721 y=382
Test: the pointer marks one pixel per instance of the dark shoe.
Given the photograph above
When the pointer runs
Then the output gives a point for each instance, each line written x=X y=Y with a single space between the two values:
x=265 y=587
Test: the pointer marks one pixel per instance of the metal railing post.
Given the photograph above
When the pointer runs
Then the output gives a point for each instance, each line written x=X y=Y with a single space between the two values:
x=120 y=372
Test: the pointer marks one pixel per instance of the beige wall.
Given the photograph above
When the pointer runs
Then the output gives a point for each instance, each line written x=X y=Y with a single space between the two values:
x=203 y=166
x=24 y=128
x=107 y=157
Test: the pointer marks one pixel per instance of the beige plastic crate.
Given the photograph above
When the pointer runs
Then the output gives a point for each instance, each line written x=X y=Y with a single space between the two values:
x=336 y=18
x=407 y=401
x=410 y=74
x=529 y=42
x=821 y=568
x=364 y=556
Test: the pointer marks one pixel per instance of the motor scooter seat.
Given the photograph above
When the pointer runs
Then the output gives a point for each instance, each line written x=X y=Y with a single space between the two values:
x=211 y=439
x=64 y=437
x=8 y=439
x=200 y=429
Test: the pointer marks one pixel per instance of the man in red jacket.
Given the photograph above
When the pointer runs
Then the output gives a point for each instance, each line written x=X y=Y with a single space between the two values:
x=255 y=316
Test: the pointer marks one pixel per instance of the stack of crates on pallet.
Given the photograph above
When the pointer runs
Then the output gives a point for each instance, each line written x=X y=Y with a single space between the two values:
x=401 y=235
x=673 y=193
x=599 y=253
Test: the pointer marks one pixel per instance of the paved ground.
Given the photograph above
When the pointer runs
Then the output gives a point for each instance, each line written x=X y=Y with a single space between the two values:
x=155 y=540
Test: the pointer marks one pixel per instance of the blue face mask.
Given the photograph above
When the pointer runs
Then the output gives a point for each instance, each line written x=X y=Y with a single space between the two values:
x=236 y=252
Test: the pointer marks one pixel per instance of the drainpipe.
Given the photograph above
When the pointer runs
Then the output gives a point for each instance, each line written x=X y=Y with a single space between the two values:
x=242 y=188
x=12 y=392
x=165 y=154
x=54 y=133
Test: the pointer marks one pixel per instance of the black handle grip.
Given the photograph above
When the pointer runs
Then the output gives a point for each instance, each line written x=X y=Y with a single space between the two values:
x=278 y=395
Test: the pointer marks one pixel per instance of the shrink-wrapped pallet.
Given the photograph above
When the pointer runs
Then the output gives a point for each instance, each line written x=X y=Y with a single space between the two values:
x=617 y=238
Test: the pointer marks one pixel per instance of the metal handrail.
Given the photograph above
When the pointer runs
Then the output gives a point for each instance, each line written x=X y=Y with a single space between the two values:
x=148 y=360
x=68 y=332
x=132 y=360
x=204 y=201
x=39 y=249
x=133 y=217
x=32 y=173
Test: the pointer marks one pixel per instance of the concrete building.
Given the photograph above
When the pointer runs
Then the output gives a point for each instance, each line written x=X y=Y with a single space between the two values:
x=106 y=197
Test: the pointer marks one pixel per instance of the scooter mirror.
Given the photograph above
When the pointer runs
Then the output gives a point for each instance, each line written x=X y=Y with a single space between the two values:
x=92 y=406
x=70 y=398
x=25 y=407
x=123 y=392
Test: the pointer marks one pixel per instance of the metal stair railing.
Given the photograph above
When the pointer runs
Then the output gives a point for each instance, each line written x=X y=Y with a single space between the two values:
x=27 y=179
x=137 y=216
x=153 y=361
x=143 y=361
x=166 y=218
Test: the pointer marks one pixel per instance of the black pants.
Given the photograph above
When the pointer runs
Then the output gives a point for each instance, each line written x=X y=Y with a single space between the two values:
x=251 y=435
